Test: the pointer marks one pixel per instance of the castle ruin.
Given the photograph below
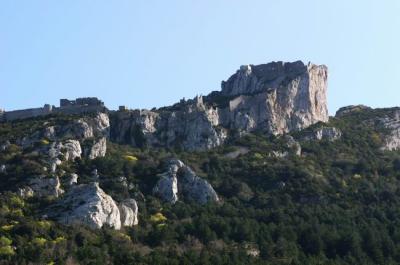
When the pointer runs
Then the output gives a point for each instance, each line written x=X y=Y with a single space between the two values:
x=77 y=106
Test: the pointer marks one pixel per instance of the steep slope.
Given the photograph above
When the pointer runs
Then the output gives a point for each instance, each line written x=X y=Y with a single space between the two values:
x=329 y=193
x=124 y=188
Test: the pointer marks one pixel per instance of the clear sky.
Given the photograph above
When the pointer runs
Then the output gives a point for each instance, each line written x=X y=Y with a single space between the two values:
x=152 y=53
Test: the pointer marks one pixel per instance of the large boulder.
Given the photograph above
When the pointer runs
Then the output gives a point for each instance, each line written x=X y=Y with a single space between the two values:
x=129 y=212
x=167 y=186
x=181 y=179
x=195 y=188
x=87 y=204
x=42 y=186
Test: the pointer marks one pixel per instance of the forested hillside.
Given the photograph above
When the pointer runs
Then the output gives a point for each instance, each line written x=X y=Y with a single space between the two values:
x=328 y=194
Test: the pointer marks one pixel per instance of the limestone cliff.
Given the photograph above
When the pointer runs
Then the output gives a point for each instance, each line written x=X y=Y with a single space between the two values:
x=275 y=98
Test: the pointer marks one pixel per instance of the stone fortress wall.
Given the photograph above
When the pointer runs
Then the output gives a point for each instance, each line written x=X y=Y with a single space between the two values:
x=77 y=106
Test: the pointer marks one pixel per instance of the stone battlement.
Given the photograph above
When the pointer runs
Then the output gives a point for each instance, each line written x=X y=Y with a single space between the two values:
x=77 y=106
x=81 y=102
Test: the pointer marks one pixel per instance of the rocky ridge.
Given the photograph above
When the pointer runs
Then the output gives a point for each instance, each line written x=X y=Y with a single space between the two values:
x=276 y=98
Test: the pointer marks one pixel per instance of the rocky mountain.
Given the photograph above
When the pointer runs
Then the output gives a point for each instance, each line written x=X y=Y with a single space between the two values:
x=276 y=98
x=256 y=173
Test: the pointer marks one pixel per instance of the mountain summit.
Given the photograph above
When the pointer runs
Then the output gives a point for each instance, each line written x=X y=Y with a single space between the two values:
x=276 y=98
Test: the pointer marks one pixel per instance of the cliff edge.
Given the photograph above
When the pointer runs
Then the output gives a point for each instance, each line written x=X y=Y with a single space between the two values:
x=275 y=98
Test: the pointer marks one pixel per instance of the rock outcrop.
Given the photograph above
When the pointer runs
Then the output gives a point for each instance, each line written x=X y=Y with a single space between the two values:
x=42 y=186
x=350 y=109
x=129 y=212
x=276 y=98
x=73 y=179
x=79 y=129
x=167 y=187
x=71 y=139
x=97 y=148
x=180 y=180
x=323 y=133
x=391 y=122
x=87 y=204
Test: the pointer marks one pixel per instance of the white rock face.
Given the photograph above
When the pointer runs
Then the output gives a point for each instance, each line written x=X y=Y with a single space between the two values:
x=73 y=179
x=72 y=150
x=42 y=186
x=324 y=133
x=329 y=133
x=195 y=188
x=167 y=186
x=179 y=178
x=129 y=212
x=69 y=150
x=100 y=124
x=88 y=204
x=80 y=129
x=279 y=97
x=71 y=135
x=98 y=149
x=86 y=127
x=392 y=123
x=276 y=97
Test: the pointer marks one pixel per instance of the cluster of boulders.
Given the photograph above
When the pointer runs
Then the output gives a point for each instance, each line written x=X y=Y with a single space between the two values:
x=179 y=180
x=88 y=204
x=86 y=136
x=84 y=204
x=65 y=142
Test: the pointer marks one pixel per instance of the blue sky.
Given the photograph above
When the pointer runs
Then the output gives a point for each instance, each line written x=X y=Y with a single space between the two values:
x=152 y=53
